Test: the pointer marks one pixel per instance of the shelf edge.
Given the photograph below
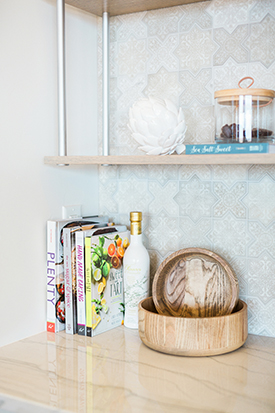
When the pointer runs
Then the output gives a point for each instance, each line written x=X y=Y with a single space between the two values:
x=227 y=159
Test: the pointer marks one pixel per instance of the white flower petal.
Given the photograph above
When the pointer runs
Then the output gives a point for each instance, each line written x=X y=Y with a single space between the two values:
x=139 y=138
x=180 y=149
x=155 y=151
x=170 y=106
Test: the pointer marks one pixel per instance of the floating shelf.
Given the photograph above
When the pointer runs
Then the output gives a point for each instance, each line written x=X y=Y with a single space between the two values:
x=117 y=7
x=265 y=158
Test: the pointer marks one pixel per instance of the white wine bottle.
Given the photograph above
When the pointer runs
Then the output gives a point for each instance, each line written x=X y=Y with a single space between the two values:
x=136 y=263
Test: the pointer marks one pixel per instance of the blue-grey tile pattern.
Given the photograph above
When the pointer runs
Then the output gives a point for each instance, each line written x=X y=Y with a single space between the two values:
x=185 y=53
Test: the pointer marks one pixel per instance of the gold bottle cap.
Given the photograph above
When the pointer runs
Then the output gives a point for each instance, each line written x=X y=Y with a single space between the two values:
x=135 y=216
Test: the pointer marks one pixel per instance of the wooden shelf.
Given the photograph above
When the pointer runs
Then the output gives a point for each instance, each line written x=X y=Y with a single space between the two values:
x=117 y=7
x=259 y=158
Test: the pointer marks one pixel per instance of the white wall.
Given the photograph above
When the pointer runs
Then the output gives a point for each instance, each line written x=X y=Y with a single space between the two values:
x=31 y=192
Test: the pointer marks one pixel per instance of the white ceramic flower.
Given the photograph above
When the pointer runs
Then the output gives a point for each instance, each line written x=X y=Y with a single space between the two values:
x=158 y=126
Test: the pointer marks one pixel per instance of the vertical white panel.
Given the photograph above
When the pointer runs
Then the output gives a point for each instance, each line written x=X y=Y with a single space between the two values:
x=32 y=192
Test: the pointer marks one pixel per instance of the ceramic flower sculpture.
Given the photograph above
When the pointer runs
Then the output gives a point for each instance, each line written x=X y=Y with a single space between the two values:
x=158 y=126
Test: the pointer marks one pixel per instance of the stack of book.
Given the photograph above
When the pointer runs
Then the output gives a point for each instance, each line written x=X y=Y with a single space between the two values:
x=85 y=275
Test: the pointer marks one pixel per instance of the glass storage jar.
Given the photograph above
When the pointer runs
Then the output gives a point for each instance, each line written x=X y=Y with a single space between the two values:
x=244 y=115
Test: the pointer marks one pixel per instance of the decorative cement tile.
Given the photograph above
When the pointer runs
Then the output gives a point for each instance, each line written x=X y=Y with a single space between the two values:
x=261 y=200
x=107 y=203
x=128 y=25
x=138 y=171
x=123 y=135
x=163 y=198
x=164 y=84
x=113 y=60
x=203 y=172
x=229 y=14
x=130 y=90
x=162 y=22
x=200 y=123
x=114 y=94
x=162 y=54
x=260 y=277
x=133 y=195
x=231 y=45
x=114 y=25
x=195 y=198
x=260 y=317
x=228 y=75
x=132 y=56
x=261 y=41
x=263 y=77
x=196 y=88
x=195 y=49
x=163 y=234
x=261 y=9
x=229 y=237
x=230 y=199
x=264 y=239
x=229 y=174
x=107 y=174
x=195 y=233
x=163 y=173
x=239 y=266
x=257 y=172
x=155 y=261
x=195 y=13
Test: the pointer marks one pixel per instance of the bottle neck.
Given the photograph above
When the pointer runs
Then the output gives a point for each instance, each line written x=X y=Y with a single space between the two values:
x=136 y=239
x=136 y=228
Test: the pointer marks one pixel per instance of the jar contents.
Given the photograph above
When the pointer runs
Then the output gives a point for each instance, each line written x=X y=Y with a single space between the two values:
x=232 y=133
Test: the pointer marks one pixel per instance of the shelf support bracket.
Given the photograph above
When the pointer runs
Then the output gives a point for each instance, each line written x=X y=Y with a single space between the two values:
x=105 y=83
x=62 y=133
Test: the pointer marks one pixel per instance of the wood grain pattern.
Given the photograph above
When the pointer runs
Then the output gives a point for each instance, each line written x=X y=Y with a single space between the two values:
x=195 y=282
x=117 y=7
x=233 y=159
x=181 y=336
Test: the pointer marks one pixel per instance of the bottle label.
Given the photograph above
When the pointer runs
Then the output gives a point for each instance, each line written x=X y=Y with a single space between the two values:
x=136 y=286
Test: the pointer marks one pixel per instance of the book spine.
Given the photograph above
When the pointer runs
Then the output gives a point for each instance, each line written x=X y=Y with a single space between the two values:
x=88 y=280
x=234 y=148
x=51 y=276
x=60 y=283
x=68 y=281
x=74 y=285
x=80 y=280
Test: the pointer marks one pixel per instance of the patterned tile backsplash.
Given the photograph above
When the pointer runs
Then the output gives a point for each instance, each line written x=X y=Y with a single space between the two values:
x=185 y=53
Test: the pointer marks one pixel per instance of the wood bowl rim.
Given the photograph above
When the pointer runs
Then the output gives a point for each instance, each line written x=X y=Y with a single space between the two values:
x=195 y=250
x=140 y=306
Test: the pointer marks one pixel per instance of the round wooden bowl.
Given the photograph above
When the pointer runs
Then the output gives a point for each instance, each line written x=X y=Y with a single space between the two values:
x=195 y=282
x=192 y=336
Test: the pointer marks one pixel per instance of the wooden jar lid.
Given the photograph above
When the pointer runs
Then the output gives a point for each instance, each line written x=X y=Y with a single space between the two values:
x=231 y=96
x=195 y=282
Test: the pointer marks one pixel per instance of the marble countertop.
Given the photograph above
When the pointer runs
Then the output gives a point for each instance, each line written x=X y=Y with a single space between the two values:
x=116 y=372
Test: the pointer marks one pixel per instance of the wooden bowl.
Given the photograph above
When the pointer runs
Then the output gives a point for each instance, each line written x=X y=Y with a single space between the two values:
x=201 y=336
x=195 y=282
